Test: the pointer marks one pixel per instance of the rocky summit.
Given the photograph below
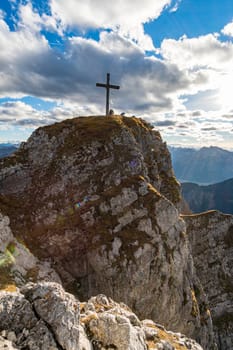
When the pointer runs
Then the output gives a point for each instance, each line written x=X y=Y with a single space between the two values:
x=95 y=201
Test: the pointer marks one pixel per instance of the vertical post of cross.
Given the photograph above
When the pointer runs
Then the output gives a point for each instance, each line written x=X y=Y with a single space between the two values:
x=107 y=93
x=108 y=86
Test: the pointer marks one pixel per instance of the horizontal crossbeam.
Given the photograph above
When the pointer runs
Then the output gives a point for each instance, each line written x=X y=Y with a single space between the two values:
x=108 y=86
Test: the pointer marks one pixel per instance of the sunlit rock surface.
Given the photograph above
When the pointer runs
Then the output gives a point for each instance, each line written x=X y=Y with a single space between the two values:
x=44 y=317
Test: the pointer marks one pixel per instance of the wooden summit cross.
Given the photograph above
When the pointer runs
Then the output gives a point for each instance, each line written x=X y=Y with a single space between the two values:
x=108 y=86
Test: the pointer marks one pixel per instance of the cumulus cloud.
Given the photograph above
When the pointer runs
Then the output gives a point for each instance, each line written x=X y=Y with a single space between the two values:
x=175 y=6
x=31 y=67
x=18 y=113
x=209 y=62
x=165 y=123
x=107 y=14
x=196 y=113
x=208 y=128
x=2 y=14
x=183 y=126
x=173 y=90
x=194 y=53
x=228 y=29
x=126 y=17
x=228 y=116
x=32 y=20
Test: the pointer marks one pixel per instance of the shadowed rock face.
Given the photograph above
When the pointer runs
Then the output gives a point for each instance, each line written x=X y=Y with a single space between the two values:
x=211 y=236
x=98 y=196
x=43 y=316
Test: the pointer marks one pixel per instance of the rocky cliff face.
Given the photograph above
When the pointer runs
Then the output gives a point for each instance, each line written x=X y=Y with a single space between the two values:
x=44 y=317
x=98 y=197
x=211 y=236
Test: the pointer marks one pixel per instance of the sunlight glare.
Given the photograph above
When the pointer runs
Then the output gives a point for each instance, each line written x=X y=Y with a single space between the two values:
x=225 y=91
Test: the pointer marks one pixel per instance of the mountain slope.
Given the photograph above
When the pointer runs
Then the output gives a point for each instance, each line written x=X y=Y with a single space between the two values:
x=98 y=197
x=207 y=165
x=201 y=198
x=6 y=149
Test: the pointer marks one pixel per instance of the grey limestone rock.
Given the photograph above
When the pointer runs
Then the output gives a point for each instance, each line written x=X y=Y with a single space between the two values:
x=6 y=344
x=211 y=237
x=114 y=326
x=21 y=325
x=44 y=317
x=6 y=235
x=58 y=309
x=18 y=265
x=100 y=201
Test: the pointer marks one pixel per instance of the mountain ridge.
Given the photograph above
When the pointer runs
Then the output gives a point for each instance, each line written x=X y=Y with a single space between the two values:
x=202 y=198
x=204 y=166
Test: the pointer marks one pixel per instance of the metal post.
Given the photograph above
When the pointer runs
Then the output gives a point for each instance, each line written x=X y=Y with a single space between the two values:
x=108 y=86
x=107 y=94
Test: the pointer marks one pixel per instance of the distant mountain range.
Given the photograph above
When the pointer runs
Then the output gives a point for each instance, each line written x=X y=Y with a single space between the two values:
x=7 y=148
x=208 y=165
x=201 y=198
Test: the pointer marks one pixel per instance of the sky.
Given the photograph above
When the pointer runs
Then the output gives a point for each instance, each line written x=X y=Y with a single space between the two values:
x=173 y=60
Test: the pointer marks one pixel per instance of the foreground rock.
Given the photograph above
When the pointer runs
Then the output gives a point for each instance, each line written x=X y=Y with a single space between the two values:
x=211 y=237
x=44 y=317
x=100 y=199
x=114 y=326
x=17 y=264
